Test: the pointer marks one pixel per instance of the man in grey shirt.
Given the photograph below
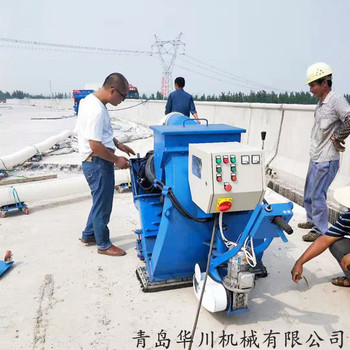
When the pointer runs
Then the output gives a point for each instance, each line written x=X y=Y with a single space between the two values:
x=331 y=127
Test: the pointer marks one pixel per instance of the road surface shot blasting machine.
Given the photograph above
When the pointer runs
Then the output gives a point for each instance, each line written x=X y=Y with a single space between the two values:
x=200 y=183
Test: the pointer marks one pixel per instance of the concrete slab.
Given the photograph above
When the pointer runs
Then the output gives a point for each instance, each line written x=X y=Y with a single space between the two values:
x=61 y=294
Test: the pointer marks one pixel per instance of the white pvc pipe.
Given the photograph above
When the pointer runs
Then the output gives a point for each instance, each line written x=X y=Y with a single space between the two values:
x=51 y=190
x=11 y=160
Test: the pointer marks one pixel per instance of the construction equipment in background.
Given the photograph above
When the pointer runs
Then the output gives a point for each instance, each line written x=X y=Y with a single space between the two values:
x=15 y=205
x=78 y=95
x=202 y=191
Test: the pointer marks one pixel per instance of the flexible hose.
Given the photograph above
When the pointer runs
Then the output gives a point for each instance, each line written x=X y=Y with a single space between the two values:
x=182 y=210
x=204 y=283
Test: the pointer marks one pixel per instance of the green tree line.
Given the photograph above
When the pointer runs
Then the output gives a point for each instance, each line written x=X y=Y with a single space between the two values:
x=263 y=96
x=21 y=94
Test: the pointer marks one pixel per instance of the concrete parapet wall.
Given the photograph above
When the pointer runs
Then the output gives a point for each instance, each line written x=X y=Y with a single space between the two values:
x=288 y=130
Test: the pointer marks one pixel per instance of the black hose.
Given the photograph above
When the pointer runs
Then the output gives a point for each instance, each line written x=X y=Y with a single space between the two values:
x=182 y=210
x=279 y=221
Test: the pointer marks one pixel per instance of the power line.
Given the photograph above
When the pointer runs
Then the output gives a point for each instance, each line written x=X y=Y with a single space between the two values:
x=86 y=49
x=216 y=70
x=217 y=78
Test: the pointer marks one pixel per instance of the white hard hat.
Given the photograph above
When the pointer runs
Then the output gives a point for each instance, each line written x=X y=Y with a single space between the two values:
x=317 y=71
x=342 y=196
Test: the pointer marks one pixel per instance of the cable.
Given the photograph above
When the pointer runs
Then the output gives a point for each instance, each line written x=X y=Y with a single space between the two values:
x=251 y=258
x=215 y=78
x=122 y=109
x=228 y=243
x=76 y=47
x=204 y=283
x=233 y=76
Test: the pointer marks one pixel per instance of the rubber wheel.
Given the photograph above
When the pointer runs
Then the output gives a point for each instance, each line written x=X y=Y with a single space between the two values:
x=2 y=214
x=26 y=211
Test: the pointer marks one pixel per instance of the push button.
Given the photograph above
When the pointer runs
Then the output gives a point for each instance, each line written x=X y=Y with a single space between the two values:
x=233 y=177
x=218 y=178
x=225 y=159
x=218 y=159
x=227 y=187
x=218 y=169
x=233 y=168
x=233 y=159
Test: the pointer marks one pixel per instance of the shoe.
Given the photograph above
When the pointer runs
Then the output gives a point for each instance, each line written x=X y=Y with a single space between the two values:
x=112 y=251
x=340 y=281
x=311 y=236
x=306 y=225
x=88 y=241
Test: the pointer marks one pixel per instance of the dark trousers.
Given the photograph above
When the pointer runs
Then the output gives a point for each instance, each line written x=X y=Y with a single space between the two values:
x=339 y=249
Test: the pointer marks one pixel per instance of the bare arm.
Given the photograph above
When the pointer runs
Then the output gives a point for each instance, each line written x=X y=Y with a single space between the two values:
x=315 y=249
x=123 y=148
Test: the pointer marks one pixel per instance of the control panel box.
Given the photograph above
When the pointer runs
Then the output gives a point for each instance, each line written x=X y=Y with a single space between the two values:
x=226 y=176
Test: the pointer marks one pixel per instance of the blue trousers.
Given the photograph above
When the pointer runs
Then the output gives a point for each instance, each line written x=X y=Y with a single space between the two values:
x=319 y=178
x=100 y=176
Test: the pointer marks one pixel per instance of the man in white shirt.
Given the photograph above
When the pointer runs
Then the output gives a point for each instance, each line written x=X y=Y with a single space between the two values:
x=96 y=149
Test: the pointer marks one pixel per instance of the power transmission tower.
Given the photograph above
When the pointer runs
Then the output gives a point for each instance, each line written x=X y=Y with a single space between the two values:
x=167 y=52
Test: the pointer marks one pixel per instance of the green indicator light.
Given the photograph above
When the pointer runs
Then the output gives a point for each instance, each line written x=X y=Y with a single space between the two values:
x=233 y=159
x=233 y=168
x=218 y=169
x=218 y=160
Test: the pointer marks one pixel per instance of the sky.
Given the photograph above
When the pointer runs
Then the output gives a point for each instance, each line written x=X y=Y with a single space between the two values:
x=267 y=42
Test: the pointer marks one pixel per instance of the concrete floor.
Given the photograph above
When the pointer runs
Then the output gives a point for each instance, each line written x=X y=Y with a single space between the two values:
x=63 y=295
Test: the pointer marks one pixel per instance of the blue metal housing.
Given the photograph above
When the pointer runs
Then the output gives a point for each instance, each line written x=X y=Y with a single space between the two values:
x=170 y=243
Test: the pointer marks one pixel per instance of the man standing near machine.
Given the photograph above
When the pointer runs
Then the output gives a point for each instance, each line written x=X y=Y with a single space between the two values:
x=96 y=149
x=331 y=127
x=181 y=101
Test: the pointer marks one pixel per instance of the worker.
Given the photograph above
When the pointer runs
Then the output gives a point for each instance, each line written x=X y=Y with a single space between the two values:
x=331 y=127
x=181 y=101
x=96 y=149
x=337 y=239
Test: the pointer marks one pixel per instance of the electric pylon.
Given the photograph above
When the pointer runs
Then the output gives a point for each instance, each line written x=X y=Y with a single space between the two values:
x=167 y=52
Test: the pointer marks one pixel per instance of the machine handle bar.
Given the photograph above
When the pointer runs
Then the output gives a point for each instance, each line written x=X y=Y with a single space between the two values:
x=183 y=124
x=279 y=221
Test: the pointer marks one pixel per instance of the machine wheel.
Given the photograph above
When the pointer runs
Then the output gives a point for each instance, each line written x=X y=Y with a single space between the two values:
x=2 y=214
x=25 y=211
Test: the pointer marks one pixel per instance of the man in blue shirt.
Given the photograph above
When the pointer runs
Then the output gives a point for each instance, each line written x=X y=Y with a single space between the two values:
x=180 y=101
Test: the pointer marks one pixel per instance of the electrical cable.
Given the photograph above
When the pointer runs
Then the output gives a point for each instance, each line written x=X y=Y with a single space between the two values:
x=251 y=258
x=232 y=76
x=228 y=243
x=75 y=47
x=204 y=283
x=123 y=109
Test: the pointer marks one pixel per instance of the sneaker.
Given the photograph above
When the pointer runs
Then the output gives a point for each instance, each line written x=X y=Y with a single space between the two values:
x=306 y=225
x=311 y=236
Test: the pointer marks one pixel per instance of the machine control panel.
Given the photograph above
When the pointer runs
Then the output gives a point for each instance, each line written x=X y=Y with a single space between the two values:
x=219 y=170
